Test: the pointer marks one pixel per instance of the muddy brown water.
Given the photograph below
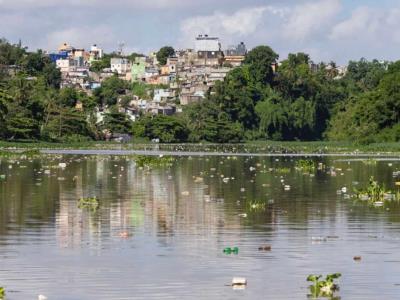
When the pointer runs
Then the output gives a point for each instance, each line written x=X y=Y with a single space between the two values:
x=160 y=233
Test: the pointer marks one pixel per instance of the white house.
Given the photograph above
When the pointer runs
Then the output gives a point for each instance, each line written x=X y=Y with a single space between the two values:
x=96 y=53
x=120 y=65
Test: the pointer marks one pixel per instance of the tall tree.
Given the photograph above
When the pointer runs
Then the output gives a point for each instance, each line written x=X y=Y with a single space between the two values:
x=164 y=53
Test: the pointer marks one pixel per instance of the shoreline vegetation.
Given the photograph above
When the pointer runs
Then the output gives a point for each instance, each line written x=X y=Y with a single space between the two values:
x=271 y=147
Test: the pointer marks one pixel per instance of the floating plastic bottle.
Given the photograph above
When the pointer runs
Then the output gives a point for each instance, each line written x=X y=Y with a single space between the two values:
x=229 y=250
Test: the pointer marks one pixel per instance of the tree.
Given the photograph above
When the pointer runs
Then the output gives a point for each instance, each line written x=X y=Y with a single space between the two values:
x=11 y=54
x=371 y=116
x=116 y=122
x=111 y=88
x=4 y=99
x=99 y=65
x=260 y=60
x=164 y=53
x=64 y=122
x=134 y=55
x=52 y=75
x=273 y=115
x=168 y=129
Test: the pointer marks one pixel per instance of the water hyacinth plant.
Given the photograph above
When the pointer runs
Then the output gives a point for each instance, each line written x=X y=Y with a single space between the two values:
x=2 y=292
x=323 y=288
x=15 y=153
x=89 y=203
x=282 y=170
x=307 y=166
x=143 y=161
x=257 y=205
x=376 y=193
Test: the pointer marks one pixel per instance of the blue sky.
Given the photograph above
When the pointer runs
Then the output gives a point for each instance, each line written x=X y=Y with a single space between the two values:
x=337 y=30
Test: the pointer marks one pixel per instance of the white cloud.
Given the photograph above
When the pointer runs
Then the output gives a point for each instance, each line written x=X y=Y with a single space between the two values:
x=152 y=4
x=327 y=29
x=80 y=37
x=242 y=23
x=366 y=24
x=310 y=18
x=362 y=19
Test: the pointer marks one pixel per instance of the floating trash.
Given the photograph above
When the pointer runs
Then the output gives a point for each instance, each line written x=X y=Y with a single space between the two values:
x=62 y=165
x=265 y=248
x=229 y=250
x=239 y=281
x=357 y=258
x=199 y=180
x=318 y=239
x=124 y=235
x=287 y=187
x=42 y=297
x=185 y=193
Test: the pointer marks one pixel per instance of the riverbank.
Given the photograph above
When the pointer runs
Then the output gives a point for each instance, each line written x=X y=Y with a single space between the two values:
x=256 y=148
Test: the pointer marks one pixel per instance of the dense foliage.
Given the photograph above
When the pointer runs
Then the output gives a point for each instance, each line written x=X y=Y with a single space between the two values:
x=300 y=101
x=260 y=100
x=164 y=53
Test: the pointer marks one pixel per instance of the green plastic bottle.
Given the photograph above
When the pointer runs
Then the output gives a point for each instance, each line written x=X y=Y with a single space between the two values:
x=229 y=250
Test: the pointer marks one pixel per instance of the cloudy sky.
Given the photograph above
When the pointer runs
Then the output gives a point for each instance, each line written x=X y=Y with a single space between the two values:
x=337 y=30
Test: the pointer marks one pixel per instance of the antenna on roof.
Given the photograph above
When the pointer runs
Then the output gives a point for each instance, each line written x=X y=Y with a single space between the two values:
x=121 y=46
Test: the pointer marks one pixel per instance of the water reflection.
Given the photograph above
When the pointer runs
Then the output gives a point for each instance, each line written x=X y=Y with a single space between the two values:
x=160 y=233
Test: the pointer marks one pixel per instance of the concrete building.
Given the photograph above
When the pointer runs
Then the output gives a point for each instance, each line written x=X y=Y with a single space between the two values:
x=235 y=55
x=120 y=65
x=56 y=56
x=138 y=69
x=65 y=48
x=65 y=65
x=151 y=72
x=239 y=50
x=163 y=95
x=208 y=51
x=95 y=53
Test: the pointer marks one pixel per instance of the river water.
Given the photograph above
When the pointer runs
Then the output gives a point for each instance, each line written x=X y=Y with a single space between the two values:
x=160 y=233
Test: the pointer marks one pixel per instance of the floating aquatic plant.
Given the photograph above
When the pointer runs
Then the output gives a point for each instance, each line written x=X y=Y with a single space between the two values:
x=369 y=161
x=323 y=288
x=6 y=153
x=143 y=161
x=2 y=292
x=257 y=205
x=376 y=193
x=282 y=170
x=307 y=166
x=89 y=203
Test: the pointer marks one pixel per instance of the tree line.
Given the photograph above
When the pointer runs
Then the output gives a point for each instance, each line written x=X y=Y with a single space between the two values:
x=254 y=102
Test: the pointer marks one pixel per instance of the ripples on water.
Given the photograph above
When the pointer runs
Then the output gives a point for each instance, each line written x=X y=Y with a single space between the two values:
x=174 y=249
